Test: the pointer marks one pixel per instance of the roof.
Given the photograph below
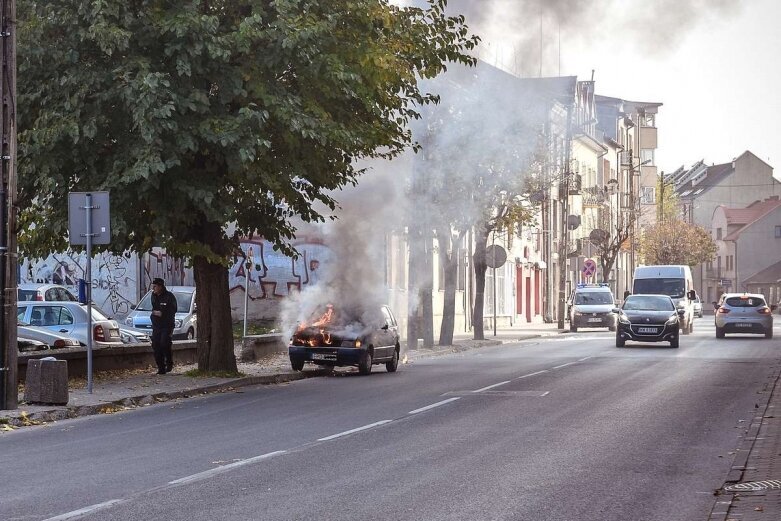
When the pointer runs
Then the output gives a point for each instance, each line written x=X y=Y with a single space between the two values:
x=769 y=275
x=749 y=215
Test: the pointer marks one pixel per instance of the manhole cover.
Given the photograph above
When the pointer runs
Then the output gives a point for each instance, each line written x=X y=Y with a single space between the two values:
x=754 y=486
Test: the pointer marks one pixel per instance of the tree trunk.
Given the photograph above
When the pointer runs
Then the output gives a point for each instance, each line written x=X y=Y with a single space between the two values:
x=427 y=290
x=215 y=334
x=478 y=260
x=449 y=253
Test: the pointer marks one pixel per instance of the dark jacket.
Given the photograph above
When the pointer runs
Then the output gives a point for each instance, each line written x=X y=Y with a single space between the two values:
x=165 y=302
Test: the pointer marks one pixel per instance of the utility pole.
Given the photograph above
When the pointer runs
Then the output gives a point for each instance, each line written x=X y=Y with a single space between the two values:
x=564 y=246
x=8 y=261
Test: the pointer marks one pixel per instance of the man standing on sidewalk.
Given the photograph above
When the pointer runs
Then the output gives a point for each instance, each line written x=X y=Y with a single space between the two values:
x=163 y=322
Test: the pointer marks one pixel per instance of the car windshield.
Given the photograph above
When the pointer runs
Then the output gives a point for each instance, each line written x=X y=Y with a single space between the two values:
x=648 y=303
x=745 y=302
x=660 y=286
x=593 y=297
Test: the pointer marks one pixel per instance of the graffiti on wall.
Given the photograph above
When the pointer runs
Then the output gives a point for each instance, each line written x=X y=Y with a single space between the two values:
x=114 y=277
x=173 y=270
x=273 y=274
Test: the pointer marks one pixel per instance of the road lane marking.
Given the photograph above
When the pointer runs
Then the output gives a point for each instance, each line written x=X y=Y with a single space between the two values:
x=224 y=468
x=427 y=407
x=491 y=386
x=584 y=359
x=359 y=429
x=564 y=365
x=533 y=374
x=86 y=510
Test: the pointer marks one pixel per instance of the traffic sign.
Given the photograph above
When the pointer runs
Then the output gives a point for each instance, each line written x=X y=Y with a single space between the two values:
x=589 y=267
x=495 y=256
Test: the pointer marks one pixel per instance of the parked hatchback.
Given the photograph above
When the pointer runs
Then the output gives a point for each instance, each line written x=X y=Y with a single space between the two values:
x=186 y=313
x=70 y=319
x=743 y=313
x=44 y=292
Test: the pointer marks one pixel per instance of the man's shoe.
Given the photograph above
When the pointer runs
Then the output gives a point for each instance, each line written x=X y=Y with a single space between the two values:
x=161 y=371
x=169 y=368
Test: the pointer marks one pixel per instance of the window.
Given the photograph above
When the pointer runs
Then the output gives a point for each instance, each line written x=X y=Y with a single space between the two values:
x=647 y=154
x=647 y=195
x=778 y=232
x=718 y=234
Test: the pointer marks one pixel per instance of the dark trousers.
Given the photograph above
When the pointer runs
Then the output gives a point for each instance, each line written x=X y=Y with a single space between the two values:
x=161 y=345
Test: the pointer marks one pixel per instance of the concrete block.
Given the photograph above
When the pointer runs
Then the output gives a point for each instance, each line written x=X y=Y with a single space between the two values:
x=46 y=381
x=256 y=347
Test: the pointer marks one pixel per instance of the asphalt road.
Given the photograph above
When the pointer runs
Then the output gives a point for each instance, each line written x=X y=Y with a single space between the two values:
x=563 y=428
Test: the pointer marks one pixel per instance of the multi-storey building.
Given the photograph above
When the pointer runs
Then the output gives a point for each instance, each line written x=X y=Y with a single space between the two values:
x=702 y=188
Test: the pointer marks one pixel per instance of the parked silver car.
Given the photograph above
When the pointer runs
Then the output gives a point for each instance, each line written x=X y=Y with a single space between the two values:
x=743 y=313
x=51 y=339
x=44 y=292
x=186 y=316
x=70 y=319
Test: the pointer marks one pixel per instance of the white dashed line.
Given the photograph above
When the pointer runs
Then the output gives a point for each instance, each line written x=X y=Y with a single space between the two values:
x=359 y=429
x=491 y=386
x=564 y=365
x=584 y=359
x=427 y=407
x=224 y=468
x=86 y=510
x=533 y=374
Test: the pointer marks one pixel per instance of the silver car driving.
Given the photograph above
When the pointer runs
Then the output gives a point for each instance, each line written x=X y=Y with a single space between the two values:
x=743 y=313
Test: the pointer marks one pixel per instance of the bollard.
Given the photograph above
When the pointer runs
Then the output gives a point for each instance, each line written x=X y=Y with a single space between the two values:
x=46 y=381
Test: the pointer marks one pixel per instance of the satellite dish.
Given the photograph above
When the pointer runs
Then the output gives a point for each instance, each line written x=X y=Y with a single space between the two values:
x=597 y=236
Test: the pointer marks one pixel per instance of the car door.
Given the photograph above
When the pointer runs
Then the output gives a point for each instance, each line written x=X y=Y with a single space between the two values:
x=388 y=333
x=57 y=318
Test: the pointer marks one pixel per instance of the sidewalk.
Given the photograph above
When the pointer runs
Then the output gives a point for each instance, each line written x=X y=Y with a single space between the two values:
x=122 y=390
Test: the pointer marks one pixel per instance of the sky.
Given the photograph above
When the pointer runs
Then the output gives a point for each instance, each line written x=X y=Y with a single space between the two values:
x=712 y=63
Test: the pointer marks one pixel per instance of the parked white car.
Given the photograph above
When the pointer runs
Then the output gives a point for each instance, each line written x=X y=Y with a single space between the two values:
x=44 y=292
x=185 y=321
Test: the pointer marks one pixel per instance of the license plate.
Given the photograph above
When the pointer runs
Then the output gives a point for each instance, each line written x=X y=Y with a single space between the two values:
x=113 y=333
x=323 y=356
x=742 y=324
x=595 y=319
x=651 y=330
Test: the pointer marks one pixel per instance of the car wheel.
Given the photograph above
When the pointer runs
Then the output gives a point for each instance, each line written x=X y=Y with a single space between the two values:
x=365 y=364
x=297 y=365
x=769 y=333
x=620 y=342
x=394 y=363
x=719 y=332
x=611 y=328
x=573 y=327
x=190 y=334
x=674 y=342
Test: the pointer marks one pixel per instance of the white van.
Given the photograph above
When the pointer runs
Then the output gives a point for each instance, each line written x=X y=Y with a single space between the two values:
x=673 y=280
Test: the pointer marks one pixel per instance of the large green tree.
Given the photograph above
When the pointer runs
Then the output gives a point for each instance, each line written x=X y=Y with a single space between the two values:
x=205 y=116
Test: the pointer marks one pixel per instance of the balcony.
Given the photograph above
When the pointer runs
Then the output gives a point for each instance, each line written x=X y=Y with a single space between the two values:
x=648 y=137
x=575 y=186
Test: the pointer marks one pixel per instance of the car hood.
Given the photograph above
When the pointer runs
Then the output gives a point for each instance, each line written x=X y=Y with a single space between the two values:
x=594 y=308
x=325 y=337
x=648 y=317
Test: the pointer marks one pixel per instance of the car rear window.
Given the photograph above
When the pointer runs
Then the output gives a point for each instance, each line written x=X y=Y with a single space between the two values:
x=593 y=297
x=745 y=302
x=26 y=294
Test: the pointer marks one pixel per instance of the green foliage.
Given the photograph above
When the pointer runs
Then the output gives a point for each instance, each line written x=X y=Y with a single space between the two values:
x=200 y=113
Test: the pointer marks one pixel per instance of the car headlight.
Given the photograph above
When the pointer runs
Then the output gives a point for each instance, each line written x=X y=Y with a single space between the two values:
x=623 y=319
x=178 y=323
x=352 y=343
x=672 y=320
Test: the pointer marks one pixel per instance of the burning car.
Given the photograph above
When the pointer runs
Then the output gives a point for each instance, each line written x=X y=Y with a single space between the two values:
x=341 y=337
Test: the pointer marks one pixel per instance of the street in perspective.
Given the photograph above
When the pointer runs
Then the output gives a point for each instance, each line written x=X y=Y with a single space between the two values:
x=393 y=259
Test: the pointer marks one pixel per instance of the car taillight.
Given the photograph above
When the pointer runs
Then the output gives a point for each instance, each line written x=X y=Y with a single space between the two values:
x=60 y=343
x=763 y=311
x=99 y=333
x=723 y=310
x=39 y=297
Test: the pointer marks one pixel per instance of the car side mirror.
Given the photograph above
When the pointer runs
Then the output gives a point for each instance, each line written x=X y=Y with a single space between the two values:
x=616 y=310
x=691 y=294
x=385 y=327
x=133 y=306
x=773 y=307
x=715 y=305
x=195 y=308
x=681 y=312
